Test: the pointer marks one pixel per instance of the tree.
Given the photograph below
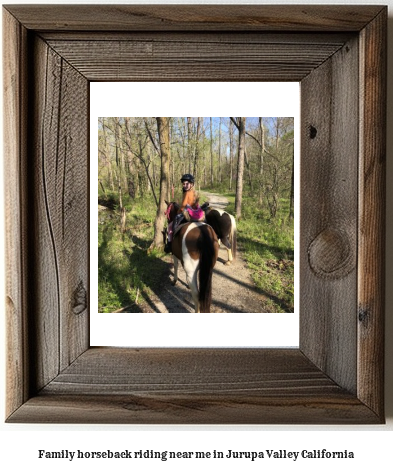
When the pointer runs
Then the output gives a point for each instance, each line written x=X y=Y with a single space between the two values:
x=219 y=173
x=217 y=150
x=279 y=164
x=163 y=124
x=231 y=149
x=211 y=153
x=259 y=138
x=241 y=126
x=197 y=146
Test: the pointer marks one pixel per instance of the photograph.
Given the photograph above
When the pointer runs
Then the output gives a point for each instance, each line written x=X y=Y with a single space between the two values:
x=196 y=214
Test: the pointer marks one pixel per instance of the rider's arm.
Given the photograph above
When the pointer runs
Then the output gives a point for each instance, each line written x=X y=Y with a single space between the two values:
x=186 y=200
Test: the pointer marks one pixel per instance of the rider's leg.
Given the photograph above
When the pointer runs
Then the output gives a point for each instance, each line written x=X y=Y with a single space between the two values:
x=178 y=219
x=168 y=245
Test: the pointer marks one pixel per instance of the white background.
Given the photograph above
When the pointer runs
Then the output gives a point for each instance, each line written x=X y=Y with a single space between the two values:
x=19 y=444
x=206 y=100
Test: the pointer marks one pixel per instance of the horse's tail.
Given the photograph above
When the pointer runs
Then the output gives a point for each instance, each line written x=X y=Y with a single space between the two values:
x=233 y=236
x=208 y=249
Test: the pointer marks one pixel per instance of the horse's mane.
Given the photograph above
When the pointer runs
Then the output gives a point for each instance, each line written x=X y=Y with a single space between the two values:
x=175 y=206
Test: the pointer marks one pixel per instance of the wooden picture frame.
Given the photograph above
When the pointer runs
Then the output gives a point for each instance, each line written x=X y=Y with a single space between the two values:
x=338 y=54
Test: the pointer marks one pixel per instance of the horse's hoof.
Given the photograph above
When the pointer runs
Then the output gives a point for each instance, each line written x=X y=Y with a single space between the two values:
x=174 y=282
x=228 y=263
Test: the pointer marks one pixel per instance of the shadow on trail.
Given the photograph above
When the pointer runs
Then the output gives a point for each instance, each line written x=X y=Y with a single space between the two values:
x=157 y=274
x=149 y=271
x=148 y=276
x=280 y=302
x=141 y=271
x=262 y=249
x=153 y=275
x=228 y=308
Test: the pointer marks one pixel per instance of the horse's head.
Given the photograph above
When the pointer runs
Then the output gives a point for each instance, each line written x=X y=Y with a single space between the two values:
x=171 y=210
x=206 y=206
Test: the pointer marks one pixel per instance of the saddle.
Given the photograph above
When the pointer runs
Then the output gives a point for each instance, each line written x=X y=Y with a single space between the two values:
x=191 y=214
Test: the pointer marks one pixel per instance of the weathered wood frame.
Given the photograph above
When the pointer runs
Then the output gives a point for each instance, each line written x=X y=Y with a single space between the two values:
x=338 y=53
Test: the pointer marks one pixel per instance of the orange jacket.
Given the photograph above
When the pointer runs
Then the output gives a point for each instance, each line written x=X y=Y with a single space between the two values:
x=190 y=198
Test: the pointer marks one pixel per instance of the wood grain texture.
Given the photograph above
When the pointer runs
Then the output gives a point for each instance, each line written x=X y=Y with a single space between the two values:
x=328 y=249
x=195 y=17
x=197 y=371
x=336 y=375
x=219 y=59
x=193 y=386
x=201 y=37
x=372 y=197
x=47 y=220
x=155 y=409
x=14 y=149
x=59 y=189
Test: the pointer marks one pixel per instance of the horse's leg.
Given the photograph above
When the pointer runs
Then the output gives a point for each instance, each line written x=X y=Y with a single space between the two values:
x=228 y=246
x=194 y=290
x=175 y=270
x=233 y=236
x=191 y=269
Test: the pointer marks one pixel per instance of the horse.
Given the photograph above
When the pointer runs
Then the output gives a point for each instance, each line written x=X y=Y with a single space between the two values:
x=224 y=225
x=195 y=245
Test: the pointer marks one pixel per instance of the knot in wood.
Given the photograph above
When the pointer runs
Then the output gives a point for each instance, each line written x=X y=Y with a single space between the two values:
x=331 y=254
x=313 y=132
x=80 y=299
x=364 y=316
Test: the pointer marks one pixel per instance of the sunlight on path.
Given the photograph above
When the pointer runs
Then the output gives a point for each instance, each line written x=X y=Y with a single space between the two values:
x=216 y=200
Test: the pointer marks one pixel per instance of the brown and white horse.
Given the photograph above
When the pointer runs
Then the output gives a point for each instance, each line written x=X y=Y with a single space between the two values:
x=195 y=245
x=224 y=225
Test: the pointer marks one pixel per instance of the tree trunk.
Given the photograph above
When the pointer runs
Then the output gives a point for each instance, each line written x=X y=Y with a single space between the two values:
x=211 y=152
x=190 y=140
x=240 y=166
x=163 y=132
x=107 y=157
x=292 y=195
x=120 y=163
x=196 y=158
x=261 y=155
x=248 y=170
x=231 y=146
x=219 y=177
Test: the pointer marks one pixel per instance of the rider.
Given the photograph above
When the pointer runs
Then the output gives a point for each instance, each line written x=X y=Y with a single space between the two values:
x=189 y=199
x=189 y=194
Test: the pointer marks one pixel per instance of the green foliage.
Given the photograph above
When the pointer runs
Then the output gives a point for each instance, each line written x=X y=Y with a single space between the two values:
x=269 y=251
x=127 y=273
x=268 y=248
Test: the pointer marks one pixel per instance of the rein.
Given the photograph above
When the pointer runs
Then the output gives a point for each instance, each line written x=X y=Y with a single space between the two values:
x=168 y=211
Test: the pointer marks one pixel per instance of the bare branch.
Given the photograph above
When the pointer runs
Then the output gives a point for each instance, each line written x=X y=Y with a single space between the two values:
x=152 y=138
x=236 y=122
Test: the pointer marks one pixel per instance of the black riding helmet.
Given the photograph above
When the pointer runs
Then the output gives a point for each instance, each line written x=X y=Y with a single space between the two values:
x=187 y=177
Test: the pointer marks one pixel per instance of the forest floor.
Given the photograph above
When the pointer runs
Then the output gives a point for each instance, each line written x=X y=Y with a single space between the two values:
x=233 y=288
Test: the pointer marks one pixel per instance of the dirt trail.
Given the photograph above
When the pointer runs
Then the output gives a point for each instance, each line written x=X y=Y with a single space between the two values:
x=233 y=288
